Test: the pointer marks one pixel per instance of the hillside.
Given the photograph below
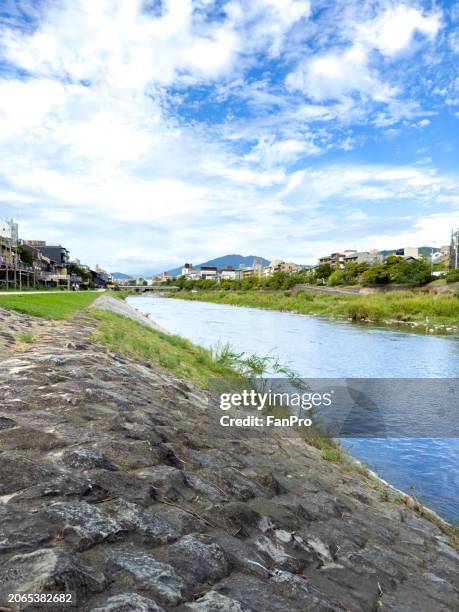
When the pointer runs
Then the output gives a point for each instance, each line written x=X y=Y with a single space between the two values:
x=233 y=260
x=120 y=276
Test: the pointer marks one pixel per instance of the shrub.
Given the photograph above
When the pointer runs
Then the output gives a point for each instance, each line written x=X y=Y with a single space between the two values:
x=376 y=275
x=346 y=276
x=323 y=271
x=415 y=272
x=453 y=276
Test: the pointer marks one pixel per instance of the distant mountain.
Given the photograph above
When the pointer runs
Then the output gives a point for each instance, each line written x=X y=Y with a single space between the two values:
x=223 y=262
x=119 y=276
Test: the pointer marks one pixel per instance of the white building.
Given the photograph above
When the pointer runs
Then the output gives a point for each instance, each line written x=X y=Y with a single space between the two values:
x=454 y=250
x=202 y=273
x=228 y=274
x=277 y=265
x=9 y=230
x=368 y=257
x=208 y=272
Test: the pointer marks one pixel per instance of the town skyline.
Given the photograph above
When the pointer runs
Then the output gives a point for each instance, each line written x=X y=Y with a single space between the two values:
x=45 y=255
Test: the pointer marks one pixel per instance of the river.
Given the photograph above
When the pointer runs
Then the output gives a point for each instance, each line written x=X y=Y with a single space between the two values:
x=315 y=347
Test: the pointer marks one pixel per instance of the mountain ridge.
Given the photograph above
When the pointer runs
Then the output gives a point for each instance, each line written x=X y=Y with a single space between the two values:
x=233 y=259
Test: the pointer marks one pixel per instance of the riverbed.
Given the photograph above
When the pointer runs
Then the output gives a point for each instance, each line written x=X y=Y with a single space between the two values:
x=314 y=347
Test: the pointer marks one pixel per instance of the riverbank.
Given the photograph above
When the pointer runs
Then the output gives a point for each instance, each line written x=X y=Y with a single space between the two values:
x=50 y=304
x=117 y=483
x=433 y=313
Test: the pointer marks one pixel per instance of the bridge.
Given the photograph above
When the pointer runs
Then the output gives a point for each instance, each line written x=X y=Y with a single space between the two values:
x=145 y=288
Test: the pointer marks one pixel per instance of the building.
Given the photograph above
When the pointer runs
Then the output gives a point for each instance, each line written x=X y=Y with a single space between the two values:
x=191 y=273
x=187 y=268
x=337 y=260
x=228 y=274
x=246 y=272
x=209 y=272
x=391 y=253
x=14 y=272
x=8 y=242
x=437 y=257
x=104 y=277
x=33 y=243
x=410 y=252
x=56 y=253
x=360 y=257
x=277 y=265
x=202 y=273
x=454 y=251
x=46 y=271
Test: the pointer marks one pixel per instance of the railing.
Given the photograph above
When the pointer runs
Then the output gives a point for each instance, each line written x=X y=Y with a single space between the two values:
x=19 y=266
x=54 y=277
x=7 y=261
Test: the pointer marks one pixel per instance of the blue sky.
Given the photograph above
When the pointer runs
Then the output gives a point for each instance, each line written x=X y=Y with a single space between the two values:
x=145 y=134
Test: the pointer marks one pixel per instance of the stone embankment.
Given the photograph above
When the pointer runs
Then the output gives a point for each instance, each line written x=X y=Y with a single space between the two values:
x=116 y=485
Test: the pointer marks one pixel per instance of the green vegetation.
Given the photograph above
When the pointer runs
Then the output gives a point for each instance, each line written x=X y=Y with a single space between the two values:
x=49 y=306
x=453 y=276
x=25 y=255
x=32 y=288
x=398 y=270
x=399 y=306
x=394 y=269
x=26 y=337
x=172 y=353
x=85 y=275
x=123 y=294
x=349 y=275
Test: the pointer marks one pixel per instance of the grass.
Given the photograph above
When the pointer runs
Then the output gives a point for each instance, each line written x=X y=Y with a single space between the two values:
x=3 y=288
x=26 y=337
x=174 y=354
x=122 y=294
x=393 y=306
x=52 y=306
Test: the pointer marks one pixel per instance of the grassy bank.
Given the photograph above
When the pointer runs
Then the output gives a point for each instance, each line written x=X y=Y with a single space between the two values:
x=51 y=306
x=394 y=306
x=172 y=353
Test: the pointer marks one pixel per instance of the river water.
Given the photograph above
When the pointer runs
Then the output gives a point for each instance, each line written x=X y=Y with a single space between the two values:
x=314 y=347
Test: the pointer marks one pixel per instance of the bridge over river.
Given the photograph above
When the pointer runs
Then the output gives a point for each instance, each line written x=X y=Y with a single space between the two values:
x=145 y=288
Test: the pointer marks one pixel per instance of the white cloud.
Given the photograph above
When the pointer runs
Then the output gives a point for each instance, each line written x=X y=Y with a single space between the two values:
x=341 y=72
x=423 y=123
x=119 y=43
x=356 y=215
x=337 y=74
x=393 y=32
x=271 y=152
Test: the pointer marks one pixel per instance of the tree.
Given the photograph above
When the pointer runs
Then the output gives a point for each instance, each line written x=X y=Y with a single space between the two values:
x=346 y=276
x=74 y=268
x=277 y=280
x=25 y=255
x=323 y=271
x=416 y=272
x=376 y=275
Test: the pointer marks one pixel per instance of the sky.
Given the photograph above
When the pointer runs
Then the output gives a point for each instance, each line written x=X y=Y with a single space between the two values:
x=142 y=134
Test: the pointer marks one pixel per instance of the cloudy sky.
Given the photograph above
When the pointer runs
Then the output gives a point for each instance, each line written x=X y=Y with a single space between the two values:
x=142 y=134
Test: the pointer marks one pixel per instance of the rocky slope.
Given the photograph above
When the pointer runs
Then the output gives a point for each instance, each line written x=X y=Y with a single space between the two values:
x=115 y=485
